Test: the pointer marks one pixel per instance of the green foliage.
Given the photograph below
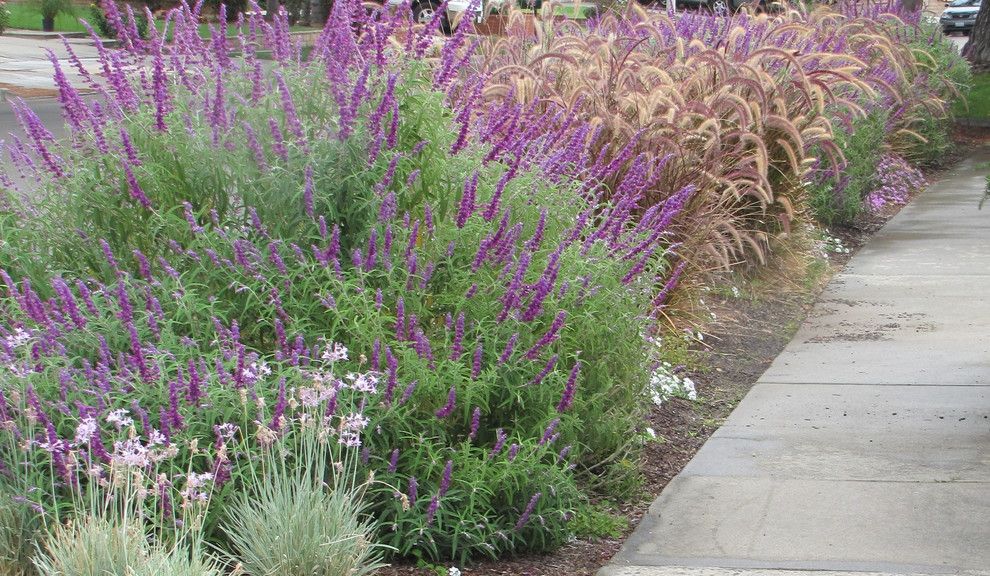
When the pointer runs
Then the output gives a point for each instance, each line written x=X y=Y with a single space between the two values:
x=98 y=20
x=96 y=546
x=977 y=103
x=235 y=7
x=300 y=516
x=27 y=16
x=838 y=197
x=4 y=17
x=597 y=521
x=518 y=498
x=944 y=73
x=18 y=529
x=92 y=546
x=52 y=8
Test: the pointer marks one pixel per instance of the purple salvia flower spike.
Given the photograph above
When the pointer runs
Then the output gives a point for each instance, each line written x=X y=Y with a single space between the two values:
x=448 y=408
x=467 y=204
x=524 y=518
x=445 y=480
x=475 y=423
x=569 y=389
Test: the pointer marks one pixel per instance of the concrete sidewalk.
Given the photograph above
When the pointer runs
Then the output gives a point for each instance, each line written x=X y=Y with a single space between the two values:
x=25 y=69
x=865 y=447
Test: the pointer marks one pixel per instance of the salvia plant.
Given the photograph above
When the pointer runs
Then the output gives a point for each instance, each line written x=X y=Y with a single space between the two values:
x=446 y=264
x=222 y=243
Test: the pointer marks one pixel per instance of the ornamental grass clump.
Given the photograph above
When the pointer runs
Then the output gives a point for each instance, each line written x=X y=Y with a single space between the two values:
x=19 y=528
x=301 y=514
x=225 y=250
x=743 y=108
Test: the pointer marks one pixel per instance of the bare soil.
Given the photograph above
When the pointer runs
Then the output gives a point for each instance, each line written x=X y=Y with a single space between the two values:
x=738 y=346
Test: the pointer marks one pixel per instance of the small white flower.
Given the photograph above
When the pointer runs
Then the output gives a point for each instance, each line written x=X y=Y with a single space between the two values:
x=130 y=453
x=18 y=338
x=651 y=433
x=453 y=571
x=334 y=352
x=688 y=386
x=256 y=371
x=156 y=438
x=85 y=430
x=367 y=382
x=353 y=422
x=119 y=418
x=349 y=439
x=226 y=430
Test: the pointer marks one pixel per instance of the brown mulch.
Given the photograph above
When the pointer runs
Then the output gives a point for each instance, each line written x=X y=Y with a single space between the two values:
x=23 y=92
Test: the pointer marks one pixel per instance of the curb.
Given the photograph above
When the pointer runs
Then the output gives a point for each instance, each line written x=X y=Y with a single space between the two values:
x=34 y=34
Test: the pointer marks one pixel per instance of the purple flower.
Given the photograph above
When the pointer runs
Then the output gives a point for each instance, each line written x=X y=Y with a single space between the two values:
x=278 y=140
x=291 y=117
x=476 y=365
x=513 y=452
x=524 y=518
x=467 y=203
x=174 y=418
x=276 y=259
x=255 y=147
x=511 y=298
x=134 y=188
x=392 y=365
x=408 y=392
x=412 y=490
x=475 y=423
x=569 y=389
x=548 y=435
x=448 y=408
x=549 y=337
x=534 y=242
x=670 y=284
x=448 y=471
x=393 y=461
x=500 y=438
x=507 y=351
x=431 y=511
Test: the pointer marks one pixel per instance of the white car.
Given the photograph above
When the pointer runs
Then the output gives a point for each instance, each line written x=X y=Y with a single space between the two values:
x=960 y=16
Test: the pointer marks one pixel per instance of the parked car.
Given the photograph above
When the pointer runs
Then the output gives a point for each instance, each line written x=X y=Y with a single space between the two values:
x=423 y=10
x=960 y=16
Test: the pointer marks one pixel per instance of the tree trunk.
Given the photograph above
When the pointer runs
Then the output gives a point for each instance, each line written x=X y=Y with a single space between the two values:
x=911 y=5
x=318 y=12
x=47 y=24
x=977 y=50
x=271 y=8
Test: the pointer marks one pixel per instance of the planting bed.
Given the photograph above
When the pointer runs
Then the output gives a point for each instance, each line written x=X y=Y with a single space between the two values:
x=428 y=294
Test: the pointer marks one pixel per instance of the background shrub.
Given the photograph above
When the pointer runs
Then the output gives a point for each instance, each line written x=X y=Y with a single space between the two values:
x=838 y=196
x=4 y=17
